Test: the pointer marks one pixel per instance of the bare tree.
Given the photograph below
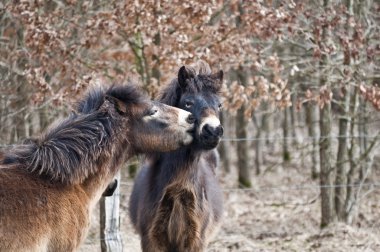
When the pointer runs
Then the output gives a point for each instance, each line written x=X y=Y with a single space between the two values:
x=327 y=172
x=312 y=126
x=241 y=133
x=286 y=136
x=342 y=165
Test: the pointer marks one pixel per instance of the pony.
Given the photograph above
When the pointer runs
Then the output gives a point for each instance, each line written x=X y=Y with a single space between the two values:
x=176 y=202
x=50 y=184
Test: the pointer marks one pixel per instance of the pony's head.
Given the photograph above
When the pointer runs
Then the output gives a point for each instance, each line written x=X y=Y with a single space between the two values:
x=151 y=126
x=197 y=91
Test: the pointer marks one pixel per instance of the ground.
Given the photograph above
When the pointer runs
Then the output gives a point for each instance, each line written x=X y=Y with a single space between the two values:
x=280 y=213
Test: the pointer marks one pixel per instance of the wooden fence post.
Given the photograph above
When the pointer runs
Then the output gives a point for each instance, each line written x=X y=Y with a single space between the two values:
x=110 y=238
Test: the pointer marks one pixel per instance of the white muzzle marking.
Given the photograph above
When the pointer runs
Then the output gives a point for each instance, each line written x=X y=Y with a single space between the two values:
x=211 y=120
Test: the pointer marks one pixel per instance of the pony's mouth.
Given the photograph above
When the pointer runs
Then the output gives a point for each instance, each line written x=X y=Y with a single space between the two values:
x=191 y=131
x=189 y=137
x=208 y=142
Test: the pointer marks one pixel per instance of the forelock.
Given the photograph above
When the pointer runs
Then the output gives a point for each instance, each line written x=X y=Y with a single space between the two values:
x=202 y=68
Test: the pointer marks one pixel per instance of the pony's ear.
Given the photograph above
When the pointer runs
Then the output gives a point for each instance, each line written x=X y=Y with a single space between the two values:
x=218 y=77
x=120 y=106
x=183 y=76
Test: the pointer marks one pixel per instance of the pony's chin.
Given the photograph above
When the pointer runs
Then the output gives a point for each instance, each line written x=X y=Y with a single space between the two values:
x=207 y=143
x=188 y=139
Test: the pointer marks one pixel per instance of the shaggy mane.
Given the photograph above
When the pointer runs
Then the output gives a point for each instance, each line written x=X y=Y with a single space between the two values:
x=70 y=151
x=95 y=97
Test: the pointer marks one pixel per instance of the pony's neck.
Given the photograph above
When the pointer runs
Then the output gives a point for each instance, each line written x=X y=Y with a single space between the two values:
x=183 y=162
x=96 y=183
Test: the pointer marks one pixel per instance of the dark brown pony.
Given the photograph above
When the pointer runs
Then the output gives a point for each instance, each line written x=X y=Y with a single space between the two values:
x=176 y=203
x=50 y=184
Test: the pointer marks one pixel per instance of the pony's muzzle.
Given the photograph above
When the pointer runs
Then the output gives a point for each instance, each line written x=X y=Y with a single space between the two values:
x=211 y=126
x=186 y=119
x=187 y=123
x=210 y=132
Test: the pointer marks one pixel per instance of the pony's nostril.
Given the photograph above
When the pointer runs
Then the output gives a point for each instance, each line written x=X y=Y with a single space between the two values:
x=207 y=129
x=211 y=131
x=190 y=119
x=219 y=130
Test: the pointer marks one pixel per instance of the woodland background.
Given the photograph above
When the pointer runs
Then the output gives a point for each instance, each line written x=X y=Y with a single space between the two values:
x=301 y=98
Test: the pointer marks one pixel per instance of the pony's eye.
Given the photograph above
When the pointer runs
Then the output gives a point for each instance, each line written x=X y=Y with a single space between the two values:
x=188 y=104
x=220 y=106
x=152 y=112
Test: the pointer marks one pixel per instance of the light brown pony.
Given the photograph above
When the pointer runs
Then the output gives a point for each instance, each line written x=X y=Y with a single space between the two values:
x=49 y=185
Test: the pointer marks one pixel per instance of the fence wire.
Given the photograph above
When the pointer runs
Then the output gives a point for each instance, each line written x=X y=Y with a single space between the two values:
x=262 y=188
x=289 y=188
x=273 y=138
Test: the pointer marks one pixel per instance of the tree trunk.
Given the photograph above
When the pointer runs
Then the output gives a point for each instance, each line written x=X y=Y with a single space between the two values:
x=267 y=124
x=224 y=148
x=363 y=137
x=137 y=46
x=5 y=131
x=342 y=158
x=44 y=118
x=293 y=115
x=351 y=200
x=259 y=144
x=344 y=126
x=242 y=153
x=259 y=151
x=241 y=132
x=312 y=124
x=285 y=144
x=327 y=170
x=363 y=12
x=20 y=131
